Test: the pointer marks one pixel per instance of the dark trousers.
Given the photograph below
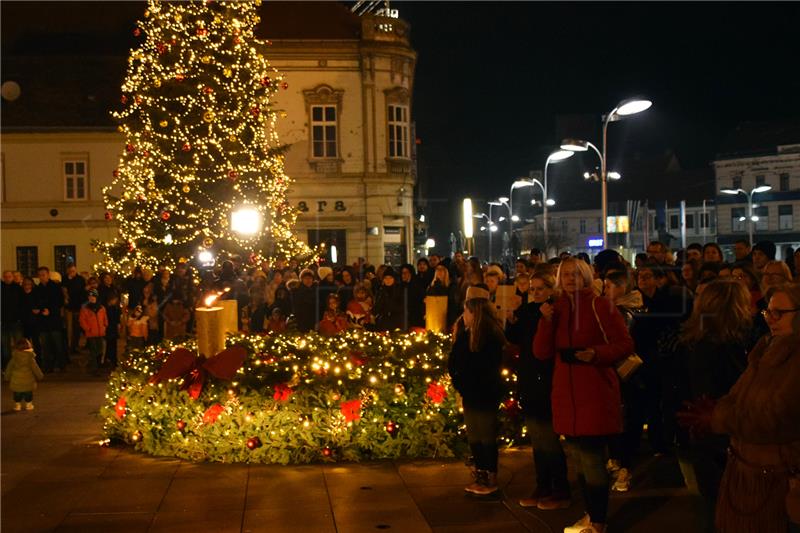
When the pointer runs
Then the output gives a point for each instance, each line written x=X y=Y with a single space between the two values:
x=111 y=350
x=26 y=396
x=549 y=459
x=73 y=329
x=590 y=459
x=95 y=346
x=52 y=355
x=11 y=333
x=482 y=437
x=624 y=446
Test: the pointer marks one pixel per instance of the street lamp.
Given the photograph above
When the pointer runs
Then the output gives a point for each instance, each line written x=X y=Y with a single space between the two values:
x=555 y=157
x=751 y=217
x=631 y=106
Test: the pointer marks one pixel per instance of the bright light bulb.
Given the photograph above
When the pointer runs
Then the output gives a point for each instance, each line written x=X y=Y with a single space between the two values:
x=514 y=218
x=430 y=243
x=614 y=175
x=246 y=221
x=492 y=228
x=633 y=106
x=550 y=202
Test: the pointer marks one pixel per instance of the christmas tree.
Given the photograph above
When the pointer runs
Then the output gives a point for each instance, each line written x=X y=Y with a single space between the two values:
x=202 y=169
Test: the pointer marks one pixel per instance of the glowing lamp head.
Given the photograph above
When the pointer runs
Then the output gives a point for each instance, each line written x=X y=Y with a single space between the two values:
x=614 y=175
x=430 y=243
x=467 y=212
x=729 y=191
x=560 y=155
x=515 y=218
x=763 y=188
x=503 y=199
x=574 y=145
x=550 y=202
x=632 y=106
x=246 y=221
x=493 y=228
x=206 y=258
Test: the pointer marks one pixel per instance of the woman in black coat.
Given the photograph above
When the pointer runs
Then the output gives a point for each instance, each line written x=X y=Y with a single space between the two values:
x=389 y=309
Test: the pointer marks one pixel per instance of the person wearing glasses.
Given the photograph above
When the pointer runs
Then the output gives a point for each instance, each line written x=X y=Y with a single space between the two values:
x=760 y=488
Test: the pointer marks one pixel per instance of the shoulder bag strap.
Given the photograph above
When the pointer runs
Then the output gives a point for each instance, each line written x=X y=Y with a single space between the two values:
x=597 y=317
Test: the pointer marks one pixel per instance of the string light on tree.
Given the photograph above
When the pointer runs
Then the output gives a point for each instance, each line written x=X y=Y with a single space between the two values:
x=194 y=149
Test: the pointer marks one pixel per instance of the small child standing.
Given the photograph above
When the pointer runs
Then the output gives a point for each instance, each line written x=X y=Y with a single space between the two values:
x=94 y=323
x=137 y=329
x=23 y=373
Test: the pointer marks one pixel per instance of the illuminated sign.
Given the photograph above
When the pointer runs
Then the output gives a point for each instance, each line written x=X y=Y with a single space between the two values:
x=618 y=224
x=594 y=243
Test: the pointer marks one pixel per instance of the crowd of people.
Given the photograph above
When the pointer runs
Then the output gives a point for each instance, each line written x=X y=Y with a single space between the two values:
x=717 y=343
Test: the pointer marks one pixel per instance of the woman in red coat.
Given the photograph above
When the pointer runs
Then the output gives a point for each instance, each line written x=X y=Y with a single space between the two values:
x=587 y=335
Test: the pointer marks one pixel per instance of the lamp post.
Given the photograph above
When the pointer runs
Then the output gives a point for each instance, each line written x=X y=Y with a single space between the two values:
x=627 y=107
x=492 y=227
x=555 y=157
x=468 y=227
x=751 y=217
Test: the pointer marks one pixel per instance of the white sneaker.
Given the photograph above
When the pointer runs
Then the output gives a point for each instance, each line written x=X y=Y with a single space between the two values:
x=18 y=406
x=29 y=406
x=623 y=481
x=580 y=525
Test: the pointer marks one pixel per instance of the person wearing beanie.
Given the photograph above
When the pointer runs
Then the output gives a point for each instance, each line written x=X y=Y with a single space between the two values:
x=389 y=308
x=94 y=323
x=327 y=287
x=305 y=302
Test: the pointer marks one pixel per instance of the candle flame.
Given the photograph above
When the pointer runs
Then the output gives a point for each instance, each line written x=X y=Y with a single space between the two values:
x=210 y=299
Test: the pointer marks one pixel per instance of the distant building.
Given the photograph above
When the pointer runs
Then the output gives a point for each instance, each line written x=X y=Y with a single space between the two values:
x=346 y=116
x=754 y=155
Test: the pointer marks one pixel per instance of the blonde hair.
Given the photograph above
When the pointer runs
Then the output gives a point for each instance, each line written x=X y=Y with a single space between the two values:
x=484 y=324
x=584 y=271
x=446 y=281
x=721 y=313
x=548 y=279
x=792 y=291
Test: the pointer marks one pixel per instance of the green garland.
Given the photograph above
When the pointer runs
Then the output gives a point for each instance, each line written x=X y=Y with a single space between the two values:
x=299 y=399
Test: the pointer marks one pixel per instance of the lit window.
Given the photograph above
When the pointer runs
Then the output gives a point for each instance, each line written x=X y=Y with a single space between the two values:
x=737 y=224
x=762 y=224
x=75 y=179
x=323 y=131
x=398 y=131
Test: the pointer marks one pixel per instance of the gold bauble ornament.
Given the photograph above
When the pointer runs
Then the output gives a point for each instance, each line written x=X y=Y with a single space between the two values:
x=120 y=129
x=208 y=242
x=205 y=59
x=156 y=83
x=178 y=17
x=209 y=116
x=146 y=13
x=228 y=72
x=186 y=188
x=232 y=138
x=163 y=123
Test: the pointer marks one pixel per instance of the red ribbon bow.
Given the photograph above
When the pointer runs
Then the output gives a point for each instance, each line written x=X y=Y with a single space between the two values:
x=436 y=392
x=351 y=410
x=194 y=368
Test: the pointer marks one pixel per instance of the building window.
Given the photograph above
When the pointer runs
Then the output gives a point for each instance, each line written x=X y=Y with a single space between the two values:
x=75 y=179
x=583 y=225
x=64 y=255
x=738 y=219
x=762 y=224
x=785 y=217
x=703 y=217
x=760 y=181
x=27 y=260
x=674 y=223
x=398 y=131
x=784 y=182
x=564 y=226
x=737 y=182
x=689 y=221
x=323 y=130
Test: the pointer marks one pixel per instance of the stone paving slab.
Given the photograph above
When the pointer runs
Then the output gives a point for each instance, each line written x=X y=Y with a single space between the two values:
x=55 y=477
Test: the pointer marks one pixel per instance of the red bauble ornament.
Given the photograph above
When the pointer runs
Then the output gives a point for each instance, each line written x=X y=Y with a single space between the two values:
x=146 y=153
x=268 y=42
x=255 y=110
x=115 y=173
x=284 y=86
x=161 y=47
x=123 y=99
x=130 y=148
x=165 y=215
x=181 y=425
x=212 y=413
x=131 y=247
x=391 y=427
x=202 y=32
x=208 y=90
x=266 y=81
x=119 y=407
x=138 y=99
x=326 y=451
x=137 y=32
x=179 y=77
x=108 y=215
x=237 y=40
x=232 y=175
x=186 y=147
x=253 y=443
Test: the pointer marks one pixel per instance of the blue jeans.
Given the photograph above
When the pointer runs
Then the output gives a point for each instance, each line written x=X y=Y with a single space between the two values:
x=590 y=455
x=53 y=355
x=549 y=459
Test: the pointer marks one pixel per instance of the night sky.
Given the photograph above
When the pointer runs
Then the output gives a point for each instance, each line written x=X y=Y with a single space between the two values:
x=492 y=78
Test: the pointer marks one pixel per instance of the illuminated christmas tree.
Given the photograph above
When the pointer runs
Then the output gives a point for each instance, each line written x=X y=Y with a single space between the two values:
x=202 y=168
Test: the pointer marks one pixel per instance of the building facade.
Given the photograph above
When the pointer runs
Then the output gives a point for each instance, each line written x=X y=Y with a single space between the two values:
x=759 y=155
x=345 y=116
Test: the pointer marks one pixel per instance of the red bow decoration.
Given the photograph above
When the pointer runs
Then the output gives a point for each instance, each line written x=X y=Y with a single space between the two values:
x=436 y=392
x=357 y=357
x=194 y=368
x=282 y=392
x=211 y=414
x=119 y=407
x=351 y=410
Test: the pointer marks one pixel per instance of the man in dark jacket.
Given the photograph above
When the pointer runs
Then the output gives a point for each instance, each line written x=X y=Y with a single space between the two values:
x=11 y=318
x=134 y=286
x=49 y=301
x=389 y=309
x=413 y=297
x=305 y=303
x=75 y=289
